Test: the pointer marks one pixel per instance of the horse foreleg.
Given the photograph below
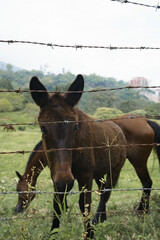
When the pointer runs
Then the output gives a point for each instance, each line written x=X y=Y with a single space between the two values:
x=101 y=210
x=105 y=194
x=101 y=185
x=85 y=205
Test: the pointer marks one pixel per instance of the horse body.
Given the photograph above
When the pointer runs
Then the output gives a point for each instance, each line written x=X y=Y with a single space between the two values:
x=9 y=127
x=137 y=130
x=94 y=135
x=67 y=134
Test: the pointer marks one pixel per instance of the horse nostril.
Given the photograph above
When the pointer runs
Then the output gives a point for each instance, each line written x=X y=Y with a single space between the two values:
x=70 y=185
x=63 y=186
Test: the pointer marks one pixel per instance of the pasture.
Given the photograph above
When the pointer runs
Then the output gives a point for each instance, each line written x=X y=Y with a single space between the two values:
x=35 y=223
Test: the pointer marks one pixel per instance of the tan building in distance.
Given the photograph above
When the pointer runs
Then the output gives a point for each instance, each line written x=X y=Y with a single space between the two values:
x=138 y=81
x=141 y=81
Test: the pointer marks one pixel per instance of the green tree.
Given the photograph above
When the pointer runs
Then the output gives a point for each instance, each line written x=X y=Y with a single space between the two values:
x=128 y=106
x=31 y=109
x=153 y=109
x=16 y=100
x=9 y=67
x=5 y=105
x=107 y=113
x=92 y=101
x=5 y=84
x=139 y=112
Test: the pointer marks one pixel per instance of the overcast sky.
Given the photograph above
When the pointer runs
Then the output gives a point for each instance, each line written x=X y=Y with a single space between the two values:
x=82 y=22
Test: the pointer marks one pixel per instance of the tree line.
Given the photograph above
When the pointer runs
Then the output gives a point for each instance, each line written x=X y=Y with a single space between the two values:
x=98 y=104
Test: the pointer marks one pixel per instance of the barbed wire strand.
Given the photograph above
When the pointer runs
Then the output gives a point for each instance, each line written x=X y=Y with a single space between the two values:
x=136 y=3
x=130 y=116
x=53 y=45
x=84 y=91
x=99 y=192
x=81 y=148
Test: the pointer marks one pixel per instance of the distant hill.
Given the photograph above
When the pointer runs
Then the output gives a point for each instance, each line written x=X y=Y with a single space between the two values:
x=3 y=66
x=126 y=100
x=21 y=77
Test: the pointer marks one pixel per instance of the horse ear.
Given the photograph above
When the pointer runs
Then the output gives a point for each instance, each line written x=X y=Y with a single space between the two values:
x=78 y=85
x=40 y=98
x=19 y=175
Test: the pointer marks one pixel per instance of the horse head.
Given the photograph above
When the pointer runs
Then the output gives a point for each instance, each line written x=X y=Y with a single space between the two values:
x=23 y=198
x=58 y=122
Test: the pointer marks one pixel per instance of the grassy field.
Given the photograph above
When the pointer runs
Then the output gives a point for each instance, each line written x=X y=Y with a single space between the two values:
x=34 y=224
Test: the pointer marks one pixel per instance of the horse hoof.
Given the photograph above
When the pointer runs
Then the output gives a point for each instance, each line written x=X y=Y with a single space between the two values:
x=90 y=234
x=95 y=221
x=140 y=210
x=103 y=217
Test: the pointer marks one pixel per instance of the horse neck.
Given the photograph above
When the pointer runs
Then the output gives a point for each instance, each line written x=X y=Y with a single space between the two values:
x=83 y=117
x=86 y=124
x=36 y=163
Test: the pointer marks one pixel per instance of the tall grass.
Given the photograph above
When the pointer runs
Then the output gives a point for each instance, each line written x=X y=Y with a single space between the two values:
x=34 y=224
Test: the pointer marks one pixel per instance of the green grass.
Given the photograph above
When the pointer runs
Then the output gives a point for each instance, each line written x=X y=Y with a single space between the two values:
x=34 y=224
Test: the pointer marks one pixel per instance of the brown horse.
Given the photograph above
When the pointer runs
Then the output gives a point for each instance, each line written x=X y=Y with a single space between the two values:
x=137 y=131
x=77 y=148
x=144 y=133
x=36 y=163
x=9 y=127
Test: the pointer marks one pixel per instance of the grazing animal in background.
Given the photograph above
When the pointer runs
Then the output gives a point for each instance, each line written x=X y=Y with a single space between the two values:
x=9 y=127
x=83 y=149
x=137 y=130
x=36 y=163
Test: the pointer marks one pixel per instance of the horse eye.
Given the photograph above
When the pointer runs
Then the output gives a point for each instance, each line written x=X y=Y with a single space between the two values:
x=44 y=130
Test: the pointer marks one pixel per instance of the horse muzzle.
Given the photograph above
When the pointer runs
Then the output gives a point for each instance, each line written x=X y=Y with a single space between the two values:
x=63 y=186
x=19 y=208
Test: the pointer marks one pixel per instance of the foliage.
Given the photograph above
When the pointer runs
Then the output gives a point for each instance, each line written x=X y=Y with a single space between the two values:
x=16 y=100
x=139 y=112
x=126 y=100
x=5 y=105
x=31 y=109
x=107 y=113
x=5 y=84
x=153 y=109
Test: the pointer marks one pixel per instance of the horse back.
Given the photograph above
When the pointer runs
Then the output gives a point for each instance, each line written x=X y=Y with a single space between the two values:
x=138 y=133
x=136 y=130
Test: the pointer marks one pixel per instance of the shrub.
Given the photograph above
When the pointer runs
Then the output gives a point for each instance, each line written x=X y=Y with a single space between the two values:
x=31 y=109
x=5 y=105
x=16 y=100
x=139 y=112
x=107 y=113
x=21 y=128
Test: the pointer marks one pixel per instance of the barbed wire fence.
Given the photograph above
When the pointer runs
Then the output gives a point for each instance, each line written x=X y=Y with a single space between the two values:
x=4 y=192
x=20 y=91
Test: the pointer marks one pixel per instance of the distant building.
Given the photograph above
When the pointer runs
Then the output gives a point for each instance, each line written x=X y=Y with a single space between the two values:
x=141 y=81
x=138 y=81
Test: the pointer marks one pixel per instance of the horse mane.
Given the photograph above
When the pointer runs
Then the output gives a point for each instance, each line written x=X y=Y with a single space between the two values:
x=33 y=153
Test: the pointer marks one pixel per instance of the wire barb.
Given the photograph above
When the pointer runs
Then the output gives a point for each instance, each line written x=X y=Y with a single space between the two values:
x=136 y=3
